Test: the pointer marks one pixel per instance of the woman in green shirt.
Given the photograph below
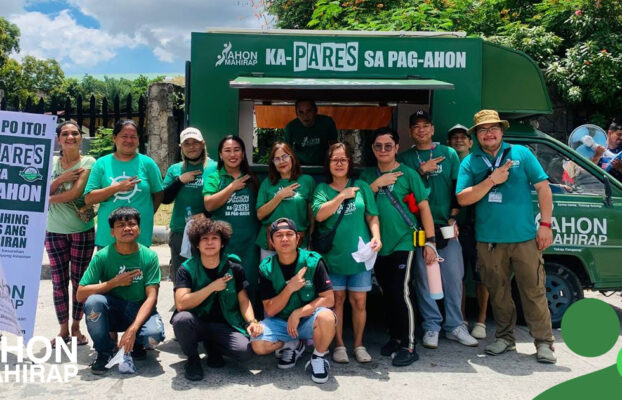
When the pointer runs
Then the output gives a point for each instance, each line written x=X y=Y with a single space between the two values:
x=285 y=193
x=69 y=239
x=360 y=219
x=230 y=195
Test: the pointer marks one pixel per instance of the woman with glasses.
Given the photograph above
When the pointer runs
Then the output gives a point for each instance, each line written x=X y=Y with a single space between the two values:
x=230 y=195
x=354 y=198
x=183 y=184
x=392 y=182
x=286 y=193
x=124 y=178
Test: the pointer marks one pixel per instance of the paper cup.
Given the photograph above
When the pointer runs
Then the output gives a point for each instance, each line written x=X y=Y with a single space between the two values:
x=448 y=232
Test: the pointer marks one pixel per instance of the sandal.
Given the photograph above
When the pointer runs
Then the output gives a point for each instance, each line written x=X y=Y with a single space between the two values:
x=361 y=354
x=66 y=339
x=82 y=340
x=340 y=355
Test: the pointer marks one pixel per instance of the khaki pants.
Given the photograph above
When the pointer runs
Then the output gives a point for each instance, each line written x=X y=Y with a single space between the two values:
x=525 y=260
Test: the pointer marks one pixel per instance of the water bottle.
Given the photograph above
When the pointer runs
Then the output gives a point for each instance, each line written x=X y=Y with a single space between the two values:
x=435 y=283
x=188 y=213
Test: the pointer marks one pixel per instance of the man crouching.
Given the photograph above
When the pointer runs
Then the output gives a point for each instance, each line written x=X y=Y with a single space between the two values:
x=120 y=287
x=296 y=293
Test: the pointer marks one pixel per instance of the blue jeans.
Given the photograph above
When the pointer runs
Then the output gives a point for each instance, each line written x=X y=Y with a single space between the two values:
x=275 y=329
x=105 y=313
x=452 y=271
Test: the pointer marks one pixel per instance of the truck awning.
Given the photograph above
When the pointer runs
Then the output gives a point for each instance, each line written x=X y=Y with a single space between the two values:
x=243 y=82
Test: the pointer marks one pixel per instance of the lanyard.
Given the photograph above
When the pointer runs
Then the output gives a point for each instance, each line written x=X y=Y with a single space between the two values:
x=497 y=161
x=419 y=158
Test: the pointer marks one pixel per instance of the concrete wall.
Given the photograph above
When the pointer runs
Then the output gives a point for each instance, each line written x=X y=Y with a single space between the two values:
x=162 y=125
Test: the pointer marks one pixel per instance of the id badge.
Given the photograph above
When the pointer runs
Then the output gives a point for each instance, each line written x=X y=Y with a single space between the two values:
x=495 y=197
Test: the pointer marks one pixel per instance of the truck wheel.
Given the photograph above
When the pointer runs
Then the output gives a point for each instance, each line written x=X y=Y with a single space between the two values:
x=562 y=289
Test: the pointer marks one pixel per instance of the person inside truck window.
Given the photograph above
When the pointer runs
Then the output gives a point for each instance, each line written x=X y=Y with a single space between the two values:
x=230 y=195
x=496 y=177
x=614 y=145
x=285 y=193
x=310 y=133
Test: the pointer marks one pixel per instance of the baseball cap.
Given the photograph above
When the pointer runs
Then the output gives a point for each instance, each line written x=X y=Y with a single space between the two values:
x=419 y=114
x=455 y=129
x=279 y=224
x=190 y=133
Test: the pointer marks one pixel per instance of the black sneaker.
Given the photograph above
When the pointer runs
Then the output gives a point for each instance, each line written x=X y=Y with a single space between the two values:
x=98 y=367
x=390 y=347
x=193 y=371
x=403 y=357
x=138 y=352
x=289 y=356
x=319 y=368
x=215 y=360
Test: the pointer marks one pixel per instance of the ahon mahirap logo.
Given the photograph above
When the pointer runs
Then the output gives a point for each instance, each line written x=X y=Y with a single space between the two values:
x=128 y=194
x=228 y=56
x=30 y=174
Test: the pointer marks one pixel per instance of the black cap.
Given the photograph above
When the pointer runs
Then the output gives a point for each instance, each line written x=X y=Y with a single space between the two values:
x=419 y=114
x=280 y=224
x=616 y=124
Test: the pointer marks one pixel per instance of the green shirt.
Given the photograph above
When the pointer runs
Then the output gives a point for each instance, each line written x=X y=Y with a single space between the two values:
x=108 y=263
x=62 y=217
x=439 y=182
x=295 y=207
x=395 y=233
x=311 y=144
x=190 y=194
x=339 y=259
x=512 y=220
x=108 y=170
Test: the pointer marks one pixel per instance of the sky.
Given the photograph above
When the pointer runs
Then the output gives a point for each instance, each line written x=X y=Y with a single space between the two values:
x=120 y=36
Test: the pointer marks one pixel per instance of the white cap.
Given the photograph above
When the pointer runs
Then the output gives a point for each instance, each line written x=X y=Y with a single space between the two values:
x=190 y=133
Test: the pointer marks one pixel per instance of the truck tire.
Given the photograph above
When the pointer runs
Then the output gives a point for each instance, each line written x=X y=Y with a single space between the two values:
x=562 y=289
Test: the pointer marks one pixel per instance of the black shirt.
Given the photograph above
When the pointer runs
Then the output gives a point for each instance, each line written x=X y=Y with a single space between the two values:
x=184 y=280
x=321 y=280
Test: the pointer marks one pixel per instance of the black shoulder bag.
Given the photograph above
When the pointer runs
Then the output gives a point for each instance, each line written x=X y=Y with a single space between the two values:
x=322 y=242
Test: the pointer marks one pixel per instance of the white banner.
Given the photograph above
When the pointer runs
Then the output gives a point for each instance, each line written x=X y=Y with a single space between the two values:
x=26 y=151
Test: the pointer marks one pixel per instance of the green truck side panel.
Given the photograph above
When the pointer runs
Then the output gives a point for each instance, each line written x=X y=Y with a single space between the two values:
x=512 y=83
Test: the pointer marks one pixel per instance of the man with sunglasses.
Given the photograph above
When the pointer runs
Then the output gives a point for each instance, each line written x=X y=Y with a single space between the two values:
x=438 y=166
x=391 y=182
x=497 y=178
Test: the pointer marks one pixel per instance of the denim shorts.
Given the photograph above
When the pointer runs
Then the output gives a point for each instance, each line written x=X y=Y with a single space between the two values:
x=360 y=282
x=275 y=329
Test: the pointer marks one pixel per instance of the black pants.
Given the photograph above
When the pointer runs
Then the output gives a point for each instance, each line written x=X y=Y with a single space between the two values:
x=394 y=276
x=218 y=337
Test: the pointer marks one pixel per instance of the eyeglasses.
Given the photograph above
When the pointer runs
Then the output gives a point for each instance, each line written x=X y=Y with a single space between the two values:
x=283 y=158
x=385 y=146
x=492 y=129
x=123 y=225
x=339 y=160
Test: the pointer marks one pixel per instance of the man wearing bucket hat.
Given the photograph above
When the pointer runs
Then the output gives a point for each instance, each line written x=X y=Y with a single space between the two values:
x=497 y=178
x=438 y=165
x=183 y=184
x=296 y=292
x=458 y=138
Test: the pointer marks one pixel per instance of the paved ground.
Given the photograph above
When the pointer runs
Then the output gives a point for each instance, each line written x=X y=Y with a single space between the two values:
x=452 y=371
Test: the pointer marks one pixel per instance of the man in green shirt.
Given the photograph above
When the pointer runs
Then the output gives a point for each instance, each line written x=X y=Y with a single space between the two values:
x=120 y=287
x=296 y=293
x=310 y=133
x=438 y=165
x=497 y=178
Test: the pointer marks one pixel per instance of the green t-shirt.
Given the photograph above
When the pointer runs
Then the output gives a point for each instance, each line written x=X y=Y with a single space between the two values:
x=396 y=234
x=190 y=194
x=108 y=170
x=62 y=217
x=511 y=218
x=240 y=212
x=311 y=144
x=339 y=259
x=439 y=182
x=295 y=207
x=108 y=263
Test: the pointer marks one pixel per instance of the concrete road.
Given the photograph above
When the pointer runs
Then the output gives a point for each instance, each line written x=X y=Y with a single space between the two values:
x=452 y=371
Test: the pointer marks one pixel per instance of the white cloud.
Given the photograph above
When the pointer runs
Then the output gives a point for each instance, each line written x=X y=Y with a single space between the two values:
x=61 y=38
x=165 y=26
x=10 y=7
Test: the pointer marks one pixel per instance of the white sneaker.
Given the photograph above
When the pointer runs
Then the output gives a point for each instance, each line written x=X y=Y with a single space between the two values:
x=319 y=369
x=430 y=340
x=292 y=351
x=479 y=331
x=461 y=335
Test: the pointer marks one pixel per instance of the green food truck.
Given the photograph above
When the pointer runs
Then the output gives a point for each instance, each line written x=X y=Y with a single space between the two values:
x=246 y=83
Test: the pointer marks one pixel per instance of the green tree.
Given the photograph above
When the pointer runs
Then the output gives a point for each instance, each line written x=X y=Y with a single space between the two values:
x=9 y=40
